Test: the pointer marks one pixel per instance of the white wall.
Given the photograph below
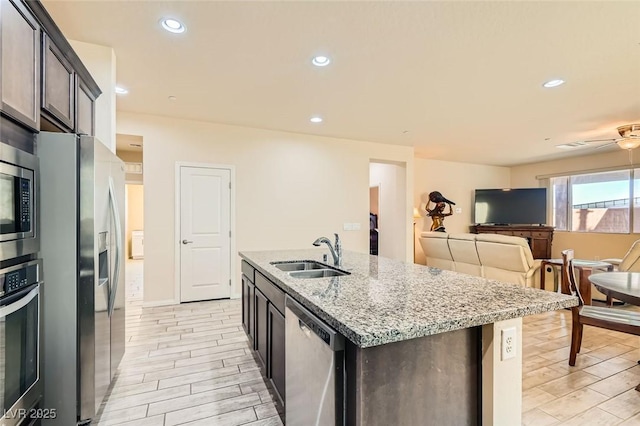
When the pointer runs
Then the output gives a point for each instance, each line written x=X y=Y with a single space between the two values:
x=457 y=182
x=392 y=199
x=290 y=188
x=101 y=63
x=131 y=157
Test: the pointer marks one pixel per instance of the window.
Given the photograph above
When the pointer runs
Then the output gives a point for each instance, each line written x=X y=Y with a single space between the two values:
x=597 y=202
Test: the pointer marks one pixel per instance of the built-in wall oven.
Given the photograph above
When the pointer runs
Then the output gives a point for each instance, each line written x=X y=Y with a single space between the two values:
x=18 y=219
x=20 y=384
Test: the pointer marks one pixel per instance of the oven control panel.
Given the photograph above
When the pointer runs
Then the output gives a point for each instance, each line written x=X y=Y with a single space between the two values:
x=20 y=276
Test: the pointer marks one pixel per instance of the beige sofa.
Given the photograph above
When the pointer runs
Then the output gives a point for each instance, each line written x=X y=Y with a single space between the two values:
x=498 y=257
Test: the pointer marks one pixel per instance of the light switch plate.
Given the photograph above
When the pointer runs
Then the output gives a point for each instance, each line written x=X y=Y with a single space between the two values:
x=348 y=226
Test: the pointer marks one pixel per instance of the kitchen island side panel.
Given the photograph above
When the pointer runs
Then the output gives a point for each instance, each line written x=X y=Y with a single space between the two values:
x=432 y=380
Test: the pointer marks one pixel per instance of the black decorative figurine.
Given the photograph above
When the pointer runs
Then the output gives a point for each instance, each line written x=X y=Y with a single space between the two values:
x=437 y=214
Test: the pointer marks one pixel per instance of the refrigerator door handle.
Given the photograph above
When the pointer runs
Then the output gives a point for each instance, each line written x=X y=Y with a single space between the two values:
x=116 y=272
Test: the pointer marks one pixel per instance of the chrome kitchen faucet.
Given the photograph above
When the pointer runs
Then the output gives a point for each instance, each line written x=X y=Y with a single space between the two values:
x=337 y=253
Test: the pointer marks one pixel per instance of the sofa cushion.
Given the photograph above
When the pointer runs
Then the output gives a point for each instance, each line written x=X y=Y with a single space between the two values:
x=506 y=258
x=499 y=257
x=464 y=253
x=492 y=252
x=436 y=250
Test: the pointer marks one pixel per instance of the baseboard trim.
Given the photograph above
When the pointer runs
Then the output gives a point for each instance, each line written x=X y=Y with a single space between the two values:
x=235 y=296
x=154 y=303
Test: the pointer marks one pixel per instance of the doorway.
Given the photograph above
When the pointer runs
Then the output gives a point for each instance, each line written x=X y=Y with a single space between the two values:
x=374 y=217
x=387 y=181
x=134 y=208
x=204 y=213
x=129 y=148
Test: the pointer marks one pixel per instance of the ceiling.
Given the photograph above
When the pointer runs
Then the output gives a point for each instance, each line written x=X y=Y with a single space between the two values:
x=460 y=81
x=129 y=143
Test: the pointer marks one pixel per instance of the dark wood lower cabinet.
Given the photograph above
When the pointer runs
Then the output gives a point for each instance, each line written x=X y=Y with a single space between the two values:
x=276 y=351
x=263 y=321
x=261 y=337
x=248 y=312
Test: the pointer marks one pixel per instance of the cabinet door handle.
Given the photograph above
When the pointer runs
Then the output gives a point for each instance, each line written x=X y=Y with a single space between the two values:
x=186 y=242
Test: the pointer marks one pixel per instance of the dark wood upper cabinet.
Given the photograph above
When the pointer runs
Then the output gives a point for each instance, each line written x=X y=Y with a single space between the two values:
x=85 y=109
x=58 y=86
x=43 y=83
x=19 y=64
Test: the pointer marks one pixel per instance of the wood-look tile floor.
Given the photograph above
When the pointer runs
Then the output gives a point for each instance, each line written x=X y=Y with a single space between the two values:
x=188 y=364
x=191 y=365
x=599 y=390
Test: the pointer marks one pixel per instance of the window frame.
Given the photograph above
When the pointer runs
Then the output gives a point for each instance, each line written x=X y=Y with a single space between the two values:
x=569 y=206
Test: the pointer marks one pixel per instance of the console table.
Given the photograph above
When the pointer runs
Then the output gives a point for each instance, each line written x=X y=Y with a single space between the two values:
x=539 y=237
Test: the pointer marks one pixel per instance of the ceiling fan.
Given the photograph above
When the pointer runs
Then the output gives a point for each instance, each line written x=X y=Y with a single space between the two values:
x=629 y=139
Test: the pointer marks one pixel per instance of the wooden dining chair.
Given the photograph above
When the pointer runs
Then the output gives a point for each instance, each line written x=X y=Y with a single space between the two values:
x=596 y=316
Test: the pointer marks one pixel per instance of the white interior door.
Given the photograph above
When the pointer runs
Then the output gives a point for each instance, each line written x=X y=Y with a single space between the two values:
x=205 y=233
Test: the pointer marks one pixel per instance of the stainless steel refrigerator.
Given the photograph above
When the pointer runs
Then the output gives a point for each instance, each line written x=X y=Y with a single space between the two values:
x=82 y=217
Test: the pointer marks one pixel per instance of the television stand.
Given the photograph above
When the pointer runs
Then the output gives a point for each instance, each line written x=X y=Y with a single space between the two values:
x=539 y=237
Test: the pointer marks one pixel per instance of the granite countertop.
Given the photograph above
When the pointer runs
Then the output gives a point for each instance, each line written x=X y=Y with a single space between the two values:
x=385 y=301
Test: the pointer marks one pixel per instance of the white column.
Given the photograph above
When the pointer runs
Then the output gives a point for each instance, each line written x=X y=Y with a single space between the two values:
x=501 y=380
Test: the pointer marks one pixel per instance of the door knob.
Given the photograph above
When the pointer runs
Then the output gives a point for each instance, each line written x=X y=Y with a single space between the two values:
x=186 y=242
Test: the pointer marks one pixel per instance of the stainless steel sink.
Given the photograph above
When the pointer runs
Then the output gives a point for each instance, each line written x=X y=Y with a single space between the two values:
x=318 y=273
x=308 y=269
x=302 y=265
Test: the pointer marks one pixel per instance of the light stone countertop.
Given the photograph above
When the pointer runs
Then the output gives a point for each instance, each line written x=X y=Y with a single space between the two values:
x=385 y=301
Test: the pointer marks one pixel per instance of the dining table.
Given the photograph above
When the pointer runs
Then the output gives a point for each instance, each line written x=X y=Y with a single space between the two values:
x=624 y=286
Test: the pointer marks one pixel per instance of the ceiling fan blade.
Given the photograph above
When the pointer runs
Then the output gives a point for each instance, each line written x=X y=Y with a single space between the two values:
x=606 y=144
x=600 y=140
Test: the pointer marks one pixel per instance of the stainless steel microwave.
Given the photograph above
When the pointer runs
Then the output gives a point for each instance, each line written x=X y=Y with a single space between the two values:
x=18 y=189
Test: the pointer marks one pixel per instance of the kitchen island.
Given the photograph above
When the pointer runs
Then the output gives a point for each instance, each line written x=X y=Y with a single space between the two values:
x=420 y=343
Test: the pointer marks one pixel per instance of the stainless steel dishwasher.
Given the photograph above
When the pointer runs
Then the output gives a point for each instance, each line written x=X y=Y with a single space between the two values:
x=314 y=360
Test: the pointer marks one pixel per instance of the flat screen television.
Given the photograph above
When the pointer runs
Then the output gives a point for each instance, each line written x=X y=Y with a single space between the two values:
x=518 y=206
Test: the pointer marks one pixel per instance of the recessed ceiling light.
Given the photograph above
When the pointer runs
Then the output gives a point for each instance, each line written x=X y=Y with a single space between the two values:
x=121 y=90
x=321 y=61
x=316 y=119
x=554 y=83
x=173 y=25
x=172 y=98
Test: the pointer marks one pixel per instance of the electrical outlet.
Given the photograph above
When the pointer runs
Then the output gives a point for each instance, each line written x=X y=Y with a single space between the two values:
x=508 y=343
x=458 y=210
x=346 y=226
x=355 y=226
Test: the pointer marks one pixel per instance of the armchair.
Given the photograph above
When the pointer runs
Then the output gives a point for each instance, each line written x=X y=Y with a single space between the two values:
x=629 y=263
